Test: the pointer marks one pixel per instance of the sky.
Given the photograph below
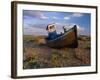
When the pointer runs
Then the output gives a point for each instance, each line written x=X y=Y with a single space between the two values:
x=35 y=22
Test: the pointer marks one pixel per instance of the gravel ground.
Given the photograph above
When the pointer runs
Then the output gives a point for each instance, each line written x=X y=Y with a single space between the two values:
x=40 y=56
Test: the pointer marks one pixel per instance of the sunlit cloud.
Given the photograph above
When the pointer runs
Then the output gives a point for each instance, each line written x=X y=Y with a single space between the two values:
x=67 y=17
x=77 y=14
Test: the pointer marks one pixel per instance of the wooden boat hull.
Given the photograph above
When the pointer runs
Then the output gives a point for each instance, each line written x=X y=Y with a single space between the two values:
x=68 y=39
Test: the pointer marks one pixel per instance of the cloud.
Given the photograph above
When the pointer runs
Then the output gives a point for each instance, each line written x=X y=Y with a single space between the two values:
x=58 y=23
x=67 y=17
x=43 y=17
x=54 y=17
x=34 y=14
x=77 y=14
x=59 y=27
x=80 y=29
x=73 y=15
x=34 y=31
x=40 y=29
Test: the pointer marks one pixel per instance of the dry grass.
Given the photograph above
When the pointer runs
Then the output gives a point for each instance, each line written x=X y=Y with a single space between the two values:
x=40 y=56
